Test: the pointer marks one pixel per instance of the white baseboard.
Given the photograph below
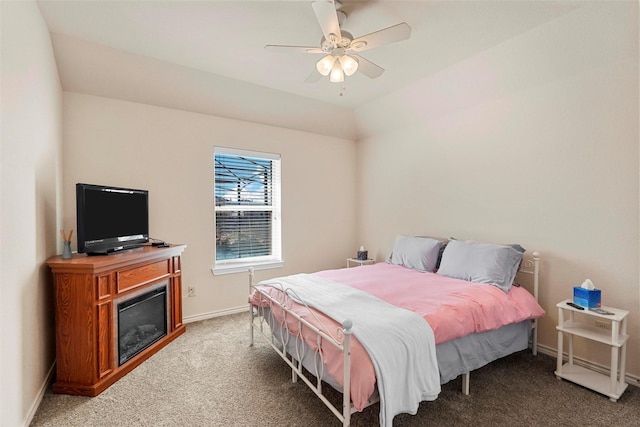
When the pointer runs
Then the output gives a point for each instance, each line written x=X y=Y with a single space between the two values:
x=605 y=370
x=212 y=314
x=38 y=400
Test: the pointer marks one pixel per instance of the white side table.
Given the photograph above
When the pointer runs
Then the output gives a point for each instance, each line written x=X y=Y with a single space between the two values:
x=358 y=262
x=612 y=385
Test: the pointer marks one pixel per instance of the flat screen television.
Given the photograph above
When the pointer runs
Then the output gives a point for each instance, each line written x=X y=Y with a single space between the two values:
x=111 y=219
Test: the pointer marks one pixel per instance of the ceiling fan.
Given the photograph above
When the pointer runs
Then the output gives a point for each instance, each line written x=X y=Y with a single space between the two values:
x=340 y=48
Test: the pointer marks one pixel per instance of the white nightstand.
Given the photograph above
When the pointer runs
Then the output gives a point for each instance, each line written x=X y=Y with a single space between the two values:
x=613 y=385
x=358 y=262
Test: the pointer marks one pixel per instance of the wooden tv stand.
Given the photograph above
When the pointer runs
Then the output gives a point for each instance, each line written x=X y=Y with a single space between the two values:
x=87 y=290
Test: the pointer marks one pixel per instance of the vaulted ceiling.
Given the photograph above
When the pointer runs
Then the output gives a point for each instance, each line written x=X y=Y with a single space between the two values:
x=184 y=54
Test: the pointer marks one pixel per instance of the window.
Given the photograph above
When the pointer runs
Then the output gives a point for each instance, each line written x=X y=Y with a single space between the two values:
x=247 y=210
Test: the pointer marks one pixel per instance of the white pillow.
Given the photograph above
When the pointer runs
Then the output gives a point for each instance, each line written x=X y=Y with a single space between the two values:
x=418 y=253
x=481 y=263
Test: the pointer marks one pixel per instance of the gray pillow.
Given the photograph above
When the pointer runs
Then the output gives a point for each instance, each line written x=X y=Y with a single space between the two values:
x=481 y=263
x=418 y=253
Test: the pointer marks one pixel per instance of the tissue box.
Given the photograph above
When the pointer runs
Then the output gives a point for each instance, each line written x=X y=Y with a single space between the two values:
x=587 y=298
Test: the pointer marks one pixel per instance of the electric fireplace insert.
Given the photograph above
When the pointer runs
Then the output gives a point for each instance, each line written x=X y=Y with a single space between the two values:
x=142 y=320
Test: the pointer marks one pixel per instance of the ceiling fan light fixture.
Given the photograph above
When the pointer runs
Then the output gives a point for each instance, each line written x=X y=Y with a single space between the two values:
x=337 y=75
x=325 y=65
x=349 y=64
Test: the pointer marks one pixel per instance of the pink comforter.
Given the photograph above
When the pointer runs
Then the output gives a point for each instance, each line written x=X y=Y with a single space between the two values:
x=453 y=308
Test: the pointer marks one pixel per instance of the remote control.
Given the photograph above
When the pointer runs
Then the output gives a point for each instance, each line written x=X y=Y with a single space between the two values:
x=601 y=311
x=576 y=306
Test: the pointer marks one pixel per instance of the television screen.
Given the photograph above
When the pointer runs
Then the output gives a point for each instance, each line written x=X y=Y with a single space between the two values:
x=110 y=219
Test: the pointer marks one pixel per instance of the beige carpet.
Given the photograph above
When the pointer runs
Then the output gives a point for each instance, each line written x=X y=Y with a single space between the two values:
x=211 y=377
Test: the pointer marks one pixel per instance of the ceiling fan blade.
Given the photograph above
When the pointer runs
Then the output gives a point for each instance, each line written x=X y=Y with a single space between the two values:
x=313 y=77
x=327 y=18
x=368 y=68
x=388 y=35
x=293 y=49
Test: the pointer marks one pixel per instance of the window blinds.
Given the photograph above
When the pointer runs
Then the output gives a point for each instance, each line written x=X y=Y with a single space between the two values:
x=247 y=190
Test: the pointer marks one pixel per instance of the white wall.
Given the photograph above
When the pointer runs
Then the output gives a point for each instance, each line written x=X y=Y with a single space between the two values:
x=170 y=153
x=534 y=141
x=30 y=205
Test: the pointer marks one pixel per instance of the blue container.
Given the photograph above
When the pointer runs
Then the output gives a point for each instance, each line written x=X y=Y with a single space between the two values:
x=66 y=250
x=587 y=298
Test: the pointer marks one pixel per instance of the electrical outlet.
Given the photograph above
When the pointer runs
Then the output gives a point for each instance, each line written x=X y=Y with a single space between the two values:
x=191 y=291
x=603 y=325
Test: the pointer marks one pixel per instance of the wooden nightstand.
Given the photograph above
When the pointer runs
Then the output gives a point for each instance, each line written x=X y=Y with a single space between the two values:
x=358 y=262
x=612 y=385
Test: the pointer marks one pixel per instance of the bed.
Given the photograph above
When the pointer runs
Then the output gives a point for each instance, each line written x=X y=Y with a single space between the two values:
x=395 y=331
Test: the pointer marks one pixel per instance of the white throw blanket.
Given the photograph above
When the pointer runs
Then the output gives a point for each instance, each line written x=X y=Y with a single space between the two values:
x=400 y=343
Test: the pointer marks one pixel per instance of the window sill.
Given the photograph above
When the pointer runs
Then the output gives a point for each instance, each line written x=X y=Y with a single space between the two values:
x=244 y=267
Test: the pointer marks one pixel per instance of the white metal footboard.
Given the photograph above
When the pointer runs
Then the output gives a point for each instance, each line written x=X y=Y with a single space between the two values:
x=342 y=341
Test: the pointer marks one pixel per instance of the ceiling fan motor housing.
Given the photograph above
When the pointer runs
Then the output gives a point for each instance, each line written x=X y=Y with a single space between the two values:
x=337 y=43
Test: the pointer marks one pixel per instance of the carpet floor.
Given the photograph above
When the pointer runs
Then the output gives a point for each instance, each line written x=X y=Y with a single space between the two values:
x=211 y=377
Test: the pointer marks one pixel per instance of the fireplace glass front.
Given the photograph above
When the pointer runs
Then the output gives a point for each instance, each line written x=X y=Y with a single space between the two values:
x=141 y=322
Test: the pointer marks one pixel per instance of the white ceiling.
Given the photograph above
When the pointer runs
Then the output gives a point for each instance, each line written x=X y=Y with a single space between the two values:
x=222 y=40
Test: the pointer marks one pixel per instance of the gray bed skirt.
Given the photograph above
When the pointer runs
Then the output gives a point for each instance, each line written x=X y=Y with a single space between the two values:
x=455 y=357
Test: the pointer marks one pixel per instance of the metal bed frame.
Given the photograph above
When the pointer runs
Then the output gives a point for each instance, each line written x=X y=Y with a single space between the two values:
x=279 y=341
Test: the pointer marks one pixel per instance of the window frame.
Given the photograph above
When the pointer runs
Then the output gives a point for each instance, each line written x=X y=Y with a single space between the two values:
x=237 y=265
